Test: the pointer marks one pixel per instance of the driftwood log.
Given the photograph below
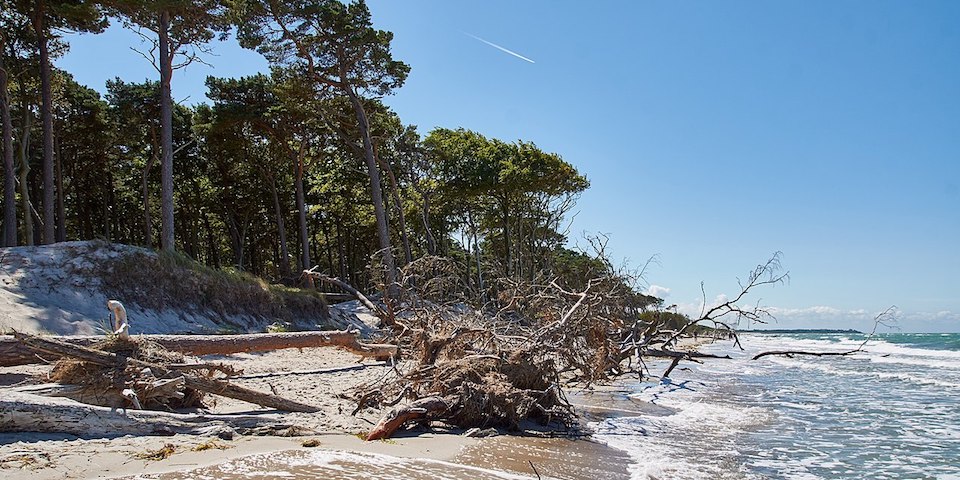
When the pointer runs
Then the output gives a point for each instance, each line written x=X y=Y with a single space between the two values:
x=13 y=353
x=422 y=409
x=207 y=385
x=791 y=353
x=25 y=412
x=346 y=287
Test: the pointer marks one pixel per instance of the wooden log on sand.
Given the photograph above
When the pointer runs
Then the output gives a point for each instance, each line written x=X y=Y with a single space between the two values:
x=207 y=385
x=13 y=353
x=24 y=412
x=424 y=408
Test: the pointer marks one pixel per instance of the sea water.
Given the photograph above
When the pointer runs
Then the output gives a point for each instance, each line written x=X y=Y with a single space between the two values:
x=889 y=411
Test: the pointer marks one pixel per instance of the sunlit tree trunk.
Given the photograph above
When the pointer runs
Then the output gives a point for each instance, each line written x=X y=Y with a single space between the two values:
x=376 y=193
x=284 y=265
x=302 y=213
x=9 y=177
x=25 y=174
x=166 y=135
x=46 y=116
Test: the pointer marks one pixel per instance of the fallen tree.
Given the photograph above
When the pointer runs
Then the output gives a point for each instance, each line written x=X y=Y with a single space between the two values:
x=508 y=360
x=114 y=364
x=25 y=412
x=885 y=318
x=13 y=352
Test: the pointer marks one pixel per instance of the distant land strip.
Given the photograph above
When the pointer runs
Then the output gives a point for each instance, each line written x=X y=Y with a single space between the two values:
x=801 y=330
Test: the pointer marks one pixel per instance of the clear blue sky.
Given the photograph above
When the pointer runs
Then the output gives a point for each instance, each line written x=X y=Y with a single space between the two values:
x=714 y=133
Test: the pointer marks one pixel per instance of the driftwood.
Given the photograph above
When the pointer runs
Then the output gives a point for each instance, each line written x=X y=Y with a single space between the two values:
x=216 y=387
x=424 y=408
x=678 y=356
x=25 y=412
x=346 y=287
x=885 y=318
x=13 y=353
x=791 y=353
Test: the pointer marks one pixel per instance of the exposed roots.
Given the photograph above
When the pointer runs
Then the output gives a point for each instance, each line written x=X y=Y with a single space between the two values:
x=117 y=386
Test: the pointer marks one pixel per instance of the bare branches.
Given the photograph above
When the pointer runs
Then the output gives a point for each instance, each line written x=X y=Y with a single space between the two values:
x=886 y=318
x=768 y=273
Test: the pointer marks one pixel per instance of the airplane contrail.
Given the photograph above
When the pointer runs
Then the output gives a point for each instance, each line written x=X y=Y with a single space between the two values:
x=498 y=47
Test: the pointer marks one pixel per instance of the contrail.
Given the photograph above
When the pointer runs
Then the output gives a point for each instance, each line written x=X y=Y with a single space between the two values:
x=498 y=47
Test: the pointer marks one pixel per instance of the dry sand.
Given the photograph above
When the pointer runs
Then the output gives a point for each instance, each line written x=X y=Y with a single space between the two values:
x=318 y=376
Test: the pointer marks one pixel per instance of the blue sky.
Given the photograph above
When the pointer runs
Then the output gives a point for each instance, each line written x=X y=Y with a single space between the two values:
x=714 y=133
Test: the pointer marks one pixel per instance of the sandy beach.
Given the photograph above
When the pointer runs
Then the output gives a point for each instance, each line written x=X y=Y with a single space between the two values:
x=320 y=376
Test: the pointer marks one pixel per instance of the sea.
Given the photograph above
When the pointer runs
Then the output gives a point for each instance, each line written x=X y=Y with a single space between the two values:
x=890 y=411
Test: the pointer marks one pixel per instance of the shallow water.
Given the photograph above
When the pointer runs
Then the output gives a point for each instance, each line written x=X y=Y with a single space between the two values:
x=889 y=412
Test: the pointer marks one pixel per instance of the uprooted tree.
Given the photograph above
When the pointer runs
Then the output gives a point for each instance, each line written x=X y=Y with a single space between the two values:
x=508 y=359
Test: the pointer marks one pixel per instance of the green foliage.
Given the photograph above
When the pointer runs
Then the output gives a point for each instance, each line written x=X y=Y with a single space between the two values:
x=496 y=207
x=332 y=41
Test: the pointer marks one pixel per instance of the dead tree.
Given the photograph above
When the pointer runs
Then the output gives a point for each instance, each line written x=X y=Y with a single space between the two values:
x=13 y=352
x=206 y=385
x=886 y=318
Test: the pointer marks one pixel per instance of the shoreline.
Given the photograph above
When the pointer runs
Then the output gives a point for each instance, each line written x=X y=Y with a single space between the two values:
x=329 y=374
x=332 y=372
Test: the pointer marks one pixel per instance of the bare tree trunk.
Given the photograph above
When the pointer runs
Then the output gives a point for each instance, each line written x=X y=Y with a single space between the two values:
x=302 y=213
x=61 y=208
x=395 y=418
x=166 y=134
x=9 y=178
x=207 y=385
x=24 y=412
x=425 y=216
x=25 y=174
x=13 y=353
x=145 y=186
x=508 y=260
x=395 y=193
x=341 y=251
x=383 y=227
x=284 y=265
x=46 y=115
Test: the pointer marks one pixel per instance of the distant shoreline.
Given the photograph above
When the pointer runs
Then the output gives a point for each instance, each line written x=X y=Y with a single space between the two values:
x=802 y=330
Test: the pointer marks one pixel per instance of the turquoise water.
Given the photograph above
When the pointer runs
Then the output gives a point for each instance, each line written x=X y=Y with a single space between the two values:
x=892 y=411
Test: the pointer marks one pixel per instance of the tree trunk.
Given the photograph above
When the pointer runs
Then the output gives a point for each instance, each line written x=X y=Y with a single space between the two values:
x=284 y=265
x=211 y=242
x=24 y=412
x=395 y=193
x=9 y=177
x=25 y=174
x=508 y=260
x=166 y=134
x=61 y=208
x=346 y=287
x=425 y=408
x=341 y=251
x=302 y=212
x=145 y=186
x=425 y=216
x=376 y=192
x=13 y=353
x=46 y=115
x=206 y=385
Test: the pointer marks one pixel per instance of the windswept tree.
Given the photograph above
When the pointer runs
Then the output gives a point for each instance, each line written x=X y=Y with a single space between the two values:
x=511 y=196
x=342 y=54
x=181 y=30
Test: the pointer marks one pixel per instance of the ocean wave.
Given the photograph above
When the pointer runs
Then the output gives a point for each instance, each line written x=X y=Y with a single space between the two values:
x=660 y=445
